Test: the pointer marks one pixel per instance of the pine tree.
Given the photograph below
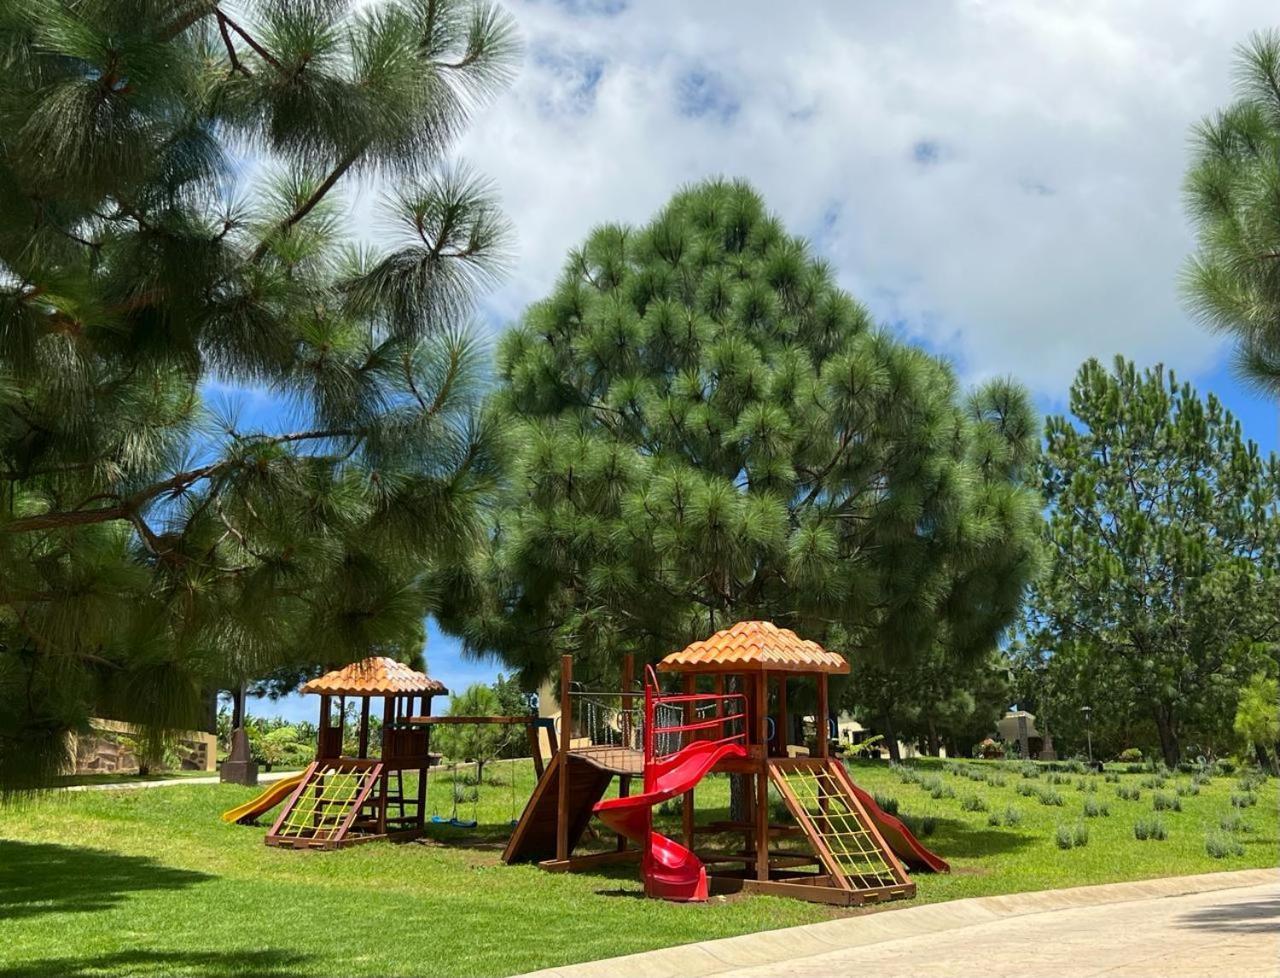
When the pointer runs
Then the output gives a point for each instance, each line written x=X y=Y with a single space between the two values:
x=703 y=428
x=1163 y=578
x=169 y=220
x=1233 y=197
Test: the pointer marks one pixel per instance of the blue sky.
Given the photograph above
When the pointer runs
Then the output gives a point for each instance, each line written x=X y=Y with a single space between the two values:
x=999 y=182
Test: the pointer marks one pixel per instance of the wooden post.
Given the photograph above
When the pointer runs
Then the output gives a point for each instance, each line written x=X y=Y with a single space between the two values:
x=824 y=711
x=762 y=778
x=690 y=716
x=364 y=727
x=384 y=779
x=566 y=728
x=323 y=728
x=424 y=772
x=628 y=702
x=784 y=720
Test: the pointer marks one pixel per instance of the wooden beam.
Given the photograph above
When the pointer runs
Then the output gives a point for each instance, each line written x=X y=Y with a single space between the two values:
x=824 y=713
x=761 y=817
x=784 y=719
x=566 y=735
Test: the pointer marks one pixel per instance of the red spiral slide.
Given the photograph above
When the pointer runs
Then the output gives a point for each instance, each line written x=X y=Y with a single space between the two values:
x=670 y=870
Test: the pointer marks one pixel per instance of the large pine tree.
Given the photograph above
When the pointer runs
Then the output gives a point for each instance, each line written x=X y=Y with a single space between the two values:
x=170 y=219
x=704 y=428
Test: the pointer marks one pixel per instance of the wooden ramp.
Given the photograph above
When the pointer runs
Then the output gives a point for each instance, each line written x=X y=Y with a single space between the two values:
x=322 y=809
x=534 y=838
x=850 y=848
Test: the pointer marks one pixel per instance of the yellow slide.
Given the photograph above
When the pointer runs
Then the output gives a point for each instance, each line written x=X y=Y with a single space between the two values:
x=276 y=792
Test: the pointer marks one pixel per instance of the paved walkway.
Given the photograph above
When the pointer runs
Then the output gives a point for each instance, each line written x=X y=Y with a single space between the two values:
x=1215 y=924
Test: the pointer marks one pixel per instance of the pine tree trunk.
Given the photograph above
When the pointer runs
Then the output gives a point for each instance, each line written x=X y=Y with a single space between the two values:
x=891 y=738
x=935 y=744
x=1168 y=737
x=1264 y=760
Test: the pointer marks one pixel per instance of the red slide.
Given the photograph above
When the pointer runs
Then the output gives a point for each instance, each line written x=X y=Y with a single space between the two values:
x=900 y=838
x=670 y=870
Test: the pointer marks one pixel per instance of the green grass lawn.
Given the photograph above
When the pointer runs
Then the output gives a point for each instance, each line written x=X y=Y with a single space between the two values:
x=151 y=882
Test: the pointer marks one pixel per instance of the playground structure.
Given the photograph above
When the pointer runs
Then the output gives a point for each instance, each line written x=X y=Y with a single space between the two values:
x=343 y=799
x=849 y=851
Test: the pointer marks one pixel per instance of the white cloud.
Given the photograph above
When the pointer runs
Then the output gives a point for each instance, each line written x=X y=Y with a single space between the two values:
x=1004 y=176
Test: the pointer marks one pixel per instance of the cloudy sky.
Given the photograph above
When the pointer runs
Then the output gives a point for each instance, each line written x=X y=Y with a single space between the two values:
x=998 y=180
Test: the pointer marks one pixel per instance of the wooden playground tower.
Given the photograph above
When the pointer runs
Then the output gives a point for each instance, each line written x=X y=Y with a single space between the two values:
x=727 y=684
x=344 y=799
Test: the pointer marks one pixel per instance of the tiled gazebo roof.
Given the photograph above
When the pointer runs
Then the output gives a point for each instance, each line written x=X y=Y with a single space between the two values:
x=375 y=676
x=755 y=646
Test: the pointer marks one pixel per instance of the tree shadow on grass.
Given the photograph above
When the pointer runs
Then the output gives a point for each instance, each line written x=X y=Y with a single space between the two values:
x=39 y=878
x=199 y=964
x=954 y=839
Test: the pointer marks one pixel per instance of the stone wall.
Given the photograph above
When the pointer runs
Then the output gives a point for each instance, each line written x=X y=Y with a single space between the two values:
x=106 y=750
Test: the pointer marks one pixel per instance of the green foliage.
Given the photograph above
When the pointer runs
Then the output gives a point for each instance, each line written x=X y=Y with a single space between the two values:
x=1071 y=836
x=1008 y=818
x=704 y=429
x=1230 y=282
x=1093 y=808
x=1128 y=792
x=887 y=803
x=1162 y=802
x=1130 y=755
x=973 y=803
x=1222 y=845
x=170 y=224
x=1047 y=796
x=1257 y=718
x=1163 y=539
x=1150 y=828
x=477 y=743
x=1243 y=800
x=1234 y=823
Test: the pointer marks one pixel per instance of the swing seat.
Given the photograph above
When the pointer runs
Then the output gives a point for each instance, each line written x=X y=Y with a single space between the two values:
x=463 y=823
x=437 y=820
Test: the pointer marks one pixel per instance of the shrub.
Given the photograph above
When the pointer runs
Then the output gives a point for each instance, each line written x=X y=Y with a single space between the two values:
x=1153 y=782
x=887 y=803
x=996 y=779
x=1234 y=823
x=1075 y=766
x=1071 y=836
x=920 y=826
x=1086 y=785
x=1127 y=793
x=1224 y=765
x=1026 y=790
x=1095 y=809
x=942 y=791
x=1029 y=769
x=930 y=783
x=973 y=803
x=1161 y=802
x=1134 y=769
x=1112 y=777
x=1150 y=828
x=1191 y=789
x=1220 y=845
x=1246 y=800
x=1130 y=755
x=1058 y=779
x=1048 y=796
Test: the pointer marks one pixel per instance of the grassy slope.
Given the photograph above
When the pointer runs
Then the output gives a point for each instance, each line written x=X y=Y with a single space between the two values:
x=150 y=882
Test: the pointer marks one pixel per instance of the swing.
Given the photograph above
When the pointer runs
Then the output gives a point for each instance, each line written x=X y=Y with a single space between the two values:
x=453 y=820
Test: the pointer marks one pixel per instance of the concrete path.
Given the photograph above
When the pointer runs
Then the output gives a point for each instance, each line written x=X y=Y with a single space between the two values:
x=265 y=778
x=1215 y=924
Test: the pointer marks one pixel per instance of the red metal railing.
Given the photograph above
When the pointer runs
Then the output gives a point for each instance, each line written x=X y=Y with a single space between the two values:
x=726 y=715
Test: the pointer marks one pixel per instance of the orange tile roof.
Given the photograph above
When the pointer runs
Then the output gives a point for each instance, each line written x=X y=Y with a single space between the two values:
x=754 y=646
x=375 y=676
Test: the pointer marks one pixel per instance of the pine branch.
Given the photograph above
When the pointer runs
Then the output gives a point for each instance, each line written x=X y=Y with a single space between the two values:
x=317 y=195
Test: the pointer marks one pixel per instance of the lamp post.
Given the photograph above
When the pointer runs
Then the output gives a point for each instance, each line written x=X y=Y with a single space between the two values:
x=1088 y=734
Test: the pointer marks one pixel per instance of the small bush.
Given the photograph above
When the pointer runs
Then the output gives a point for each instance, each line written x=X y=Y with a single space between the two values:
x=1130 y=755
x=1224 y=765
x=1162 y=802
x=1150 y=828
x=1111 y=777
x=887 y=803
x=1011 y=816
x=1058 y=779
x=973 y=803
x=1026 y=790
x=1048 y=796
x=1029 y=769
x=1095 y=809
x=1247 y=800
x=1220 y=845
x=1086 y=785
x=1189 y=790
x=1134 y=769
x=1071 y=836
x=1153 y=782
x=942 y=791
x=1234 y=823
x=930 y=782
x=920 y=826
x=996 y=779
x=1127 y=793
x=1075 y=766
